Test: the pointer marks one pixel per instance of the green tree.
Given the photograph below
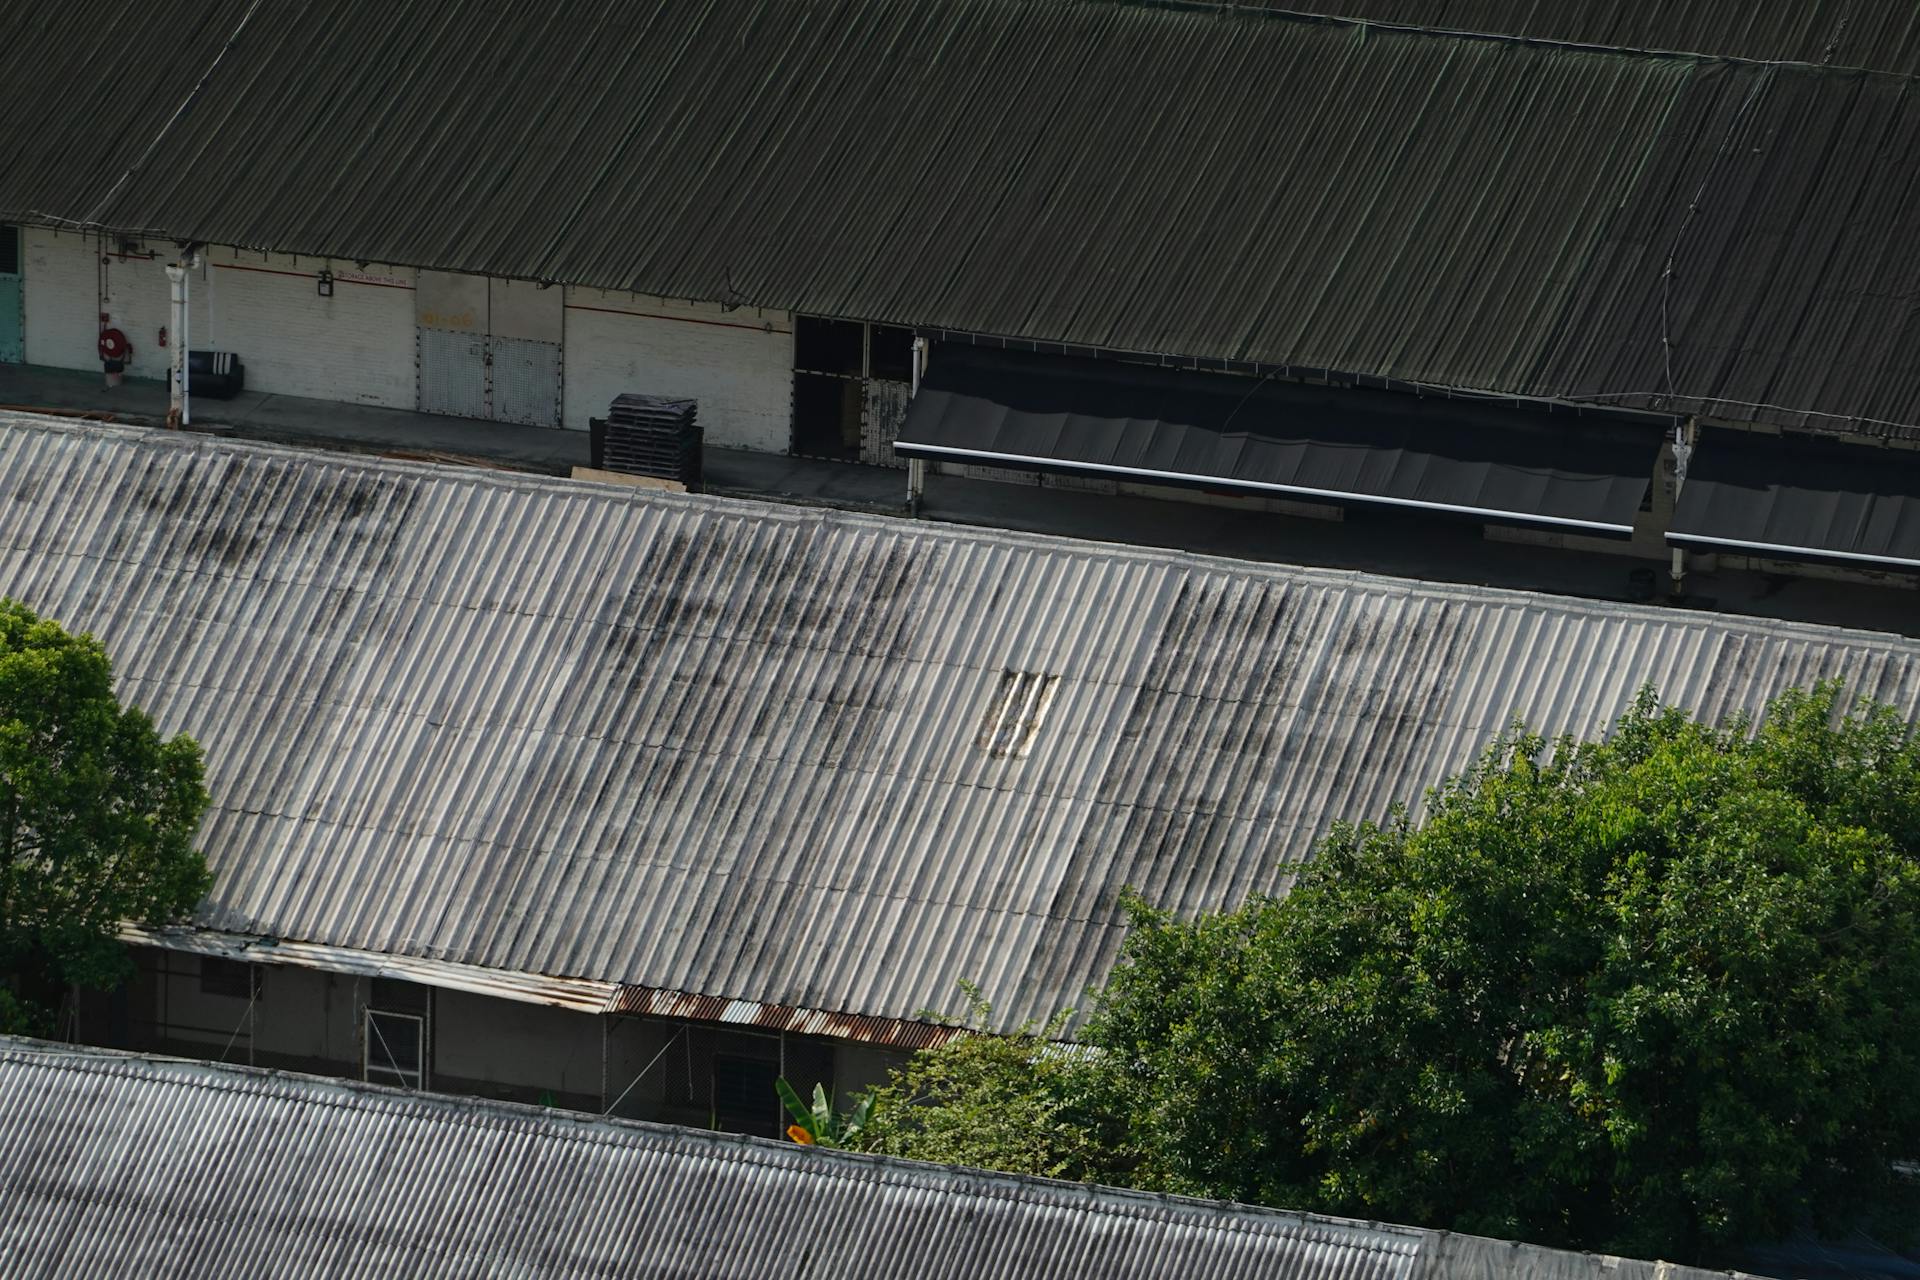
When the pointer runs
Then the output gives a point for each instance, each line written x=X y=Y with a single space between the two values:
x=1020 y=1103
x=97 y=814
x=1658 y=995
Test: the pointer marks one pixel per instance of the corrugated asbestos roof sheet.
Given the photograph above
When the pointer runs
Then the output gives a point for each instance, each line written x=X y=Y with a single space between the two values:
x=1880 y=35
x=118 y=1165
x=775 y=754
x=1657 y=231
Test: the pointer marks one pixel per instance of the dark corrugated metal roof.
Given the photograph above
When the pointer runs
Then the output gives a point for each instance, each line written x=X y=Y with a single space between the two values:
x=1646 y=230
x=117 y=1165
x=1814 y=498
x=1219 y=431
x=1882 y=35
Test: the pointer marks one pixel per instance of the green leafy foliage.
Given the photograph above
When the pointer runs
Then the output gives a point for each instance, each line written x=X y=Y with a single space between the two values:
x=818 y=1124
x=1018 y=1103
x=97 y=814
x=1658 y=995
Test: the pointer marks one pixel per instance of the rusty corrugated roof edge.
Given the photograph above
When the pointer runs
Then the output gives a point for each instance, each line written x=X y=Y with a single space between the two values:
x=579 y=995
x=898 y=1033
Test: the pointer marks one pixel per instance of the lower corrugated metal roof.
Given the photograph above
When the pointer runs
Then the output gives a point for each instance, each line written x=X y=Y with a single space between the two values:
x=742 y=751
x=1255 y=435
x=116 y=1165
x=1797 y=498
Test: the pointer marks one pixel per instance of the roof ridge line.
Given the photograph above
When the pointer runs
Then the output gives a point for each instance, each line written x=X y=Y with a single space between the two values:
x=1256 y=9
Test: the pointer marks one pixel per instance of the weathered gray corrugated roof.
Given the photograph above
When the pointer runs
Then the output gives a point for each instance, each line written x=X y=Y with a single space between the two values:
x=117 y=1166
x=1654 y=231
x=736 y=750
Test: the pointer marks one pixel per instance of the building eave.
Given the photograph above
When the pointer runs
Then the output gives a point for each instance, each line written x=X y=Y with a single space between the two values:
x=578 y=995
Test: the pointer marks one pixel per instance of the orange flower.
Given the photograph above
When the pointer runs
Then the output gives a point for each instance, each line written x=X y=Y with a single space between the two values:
x=799 y=1135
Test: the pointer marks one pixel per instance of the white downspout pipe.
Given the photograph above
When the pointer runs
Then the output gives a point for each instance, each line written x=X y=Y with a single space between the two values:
x=1683 y=437
x=916 y=467
x=191 y=264
x=177 y=407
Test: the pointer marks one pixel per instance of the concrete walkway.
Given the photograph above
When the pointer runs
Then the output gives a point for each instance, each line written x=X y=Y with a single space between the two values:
x=1383 y=542
x=292 y=420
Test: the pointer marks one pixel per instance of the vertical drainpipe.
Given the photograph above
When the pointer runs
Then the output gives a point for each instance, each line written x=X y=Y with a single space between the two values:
x=191 y=262
x=916 y=467
x=1685 y=433
x=177 y=382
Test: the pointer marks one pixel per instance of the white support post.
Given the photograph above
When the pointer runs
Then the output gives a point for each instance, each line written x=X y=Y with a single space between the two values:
x=177 y=407
x=916 y=467
x=1684 y=435
x=186 y=335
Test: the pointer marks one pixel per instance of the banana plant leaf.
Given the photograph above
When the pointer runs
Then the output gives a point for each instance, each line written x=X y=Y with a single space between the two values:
x=798 y=1109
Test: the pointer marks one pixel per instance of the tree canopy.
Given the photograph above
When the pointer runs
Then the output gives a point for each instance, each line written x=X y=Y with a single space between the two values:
x=1018 y=1103
x=1658 y=995
x=97 y=815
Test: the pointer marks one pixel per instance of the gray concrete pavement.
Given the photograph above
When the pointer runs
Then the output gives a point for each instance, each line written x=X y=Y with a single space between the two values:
x=293 y=420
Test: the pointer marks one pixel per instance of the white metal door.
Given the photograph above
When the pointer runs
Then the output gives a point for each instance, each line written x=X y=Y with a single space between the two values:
x=490 y=348
x=453 y=373
x=526 y=381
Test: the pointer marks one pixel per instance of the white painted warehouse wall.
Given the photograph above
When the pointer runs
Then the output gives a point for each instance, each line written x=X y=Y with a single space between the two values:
x=63 y=303
x=356 y=346
x=738 y=364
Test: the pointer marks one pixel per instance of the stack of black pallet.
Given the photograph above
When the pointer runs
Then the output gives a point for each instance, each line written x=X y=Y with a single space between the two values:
x=652 y=436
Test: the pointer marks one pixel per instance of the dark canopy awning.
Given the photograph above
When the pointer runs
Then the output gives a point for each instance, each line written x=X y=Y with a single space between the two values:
x=1801 y=498
x=1259 y=436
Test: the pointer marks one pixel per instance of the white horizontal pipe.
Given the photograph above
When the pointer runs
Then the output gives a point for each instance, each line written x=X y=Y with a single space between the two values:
x=1737 y=544
x=1215 y=482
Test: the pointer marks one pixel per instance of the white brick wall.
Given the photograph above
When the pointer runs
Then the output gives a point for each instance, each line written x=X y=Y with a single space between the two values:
x=63 y=302
x=737 y=364
x=356 y=346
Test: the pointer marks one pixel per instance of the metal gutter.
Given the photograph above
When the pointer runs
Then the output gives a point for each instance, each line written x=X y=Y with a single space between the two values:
x=579 y=995
x=1224 y=482
x=1704 y=543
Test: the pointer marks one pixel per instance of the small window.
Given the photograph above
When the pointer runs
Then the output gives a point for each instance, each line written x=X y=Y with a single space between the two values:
x=396 y=1049
x=232 y=979
x=1019 y=706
